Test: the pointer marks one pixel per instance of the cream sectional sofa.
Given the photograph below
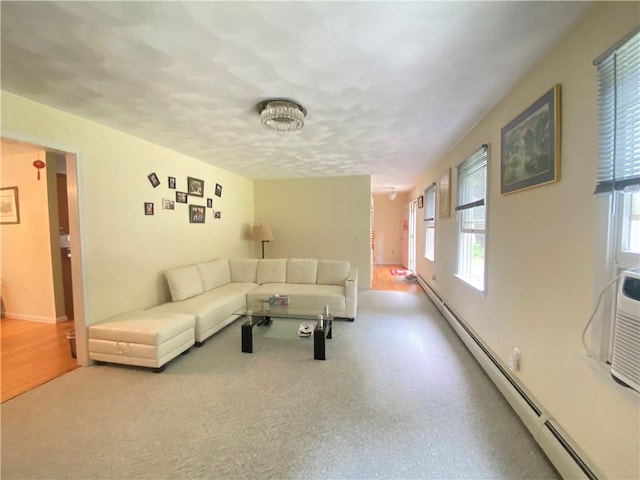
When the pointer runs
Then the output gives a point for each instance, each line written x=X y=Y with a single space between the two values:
x=210 y=292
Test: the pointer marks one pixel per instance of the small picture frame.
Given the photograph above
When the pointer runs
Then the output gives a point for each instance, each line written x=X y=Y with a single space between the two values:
x=196 y=213
x=148 y=208
x=530 y=145
x=181 y=197
x=153 y=178
x=444 y=194
x=172 y=182
x=195 y=187
x=168 y=204
x=421 y=201
x=9 y=207
x=218 y=190
x=217 y=214
x=209 y=202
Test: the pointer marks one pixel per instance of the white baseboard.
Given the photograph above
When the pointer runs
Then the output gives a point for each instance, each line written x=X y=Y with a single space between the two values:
x=36 y=318
x=561 y=450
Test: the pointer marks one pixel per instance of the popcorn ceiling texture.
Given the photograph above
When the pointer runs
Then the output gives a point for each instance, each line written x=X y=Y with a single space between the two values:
x=389 y=87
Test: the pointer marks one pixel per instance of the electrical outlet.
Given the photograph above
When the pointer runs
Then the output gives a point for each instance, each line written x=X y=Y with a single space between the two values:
x=514 y=360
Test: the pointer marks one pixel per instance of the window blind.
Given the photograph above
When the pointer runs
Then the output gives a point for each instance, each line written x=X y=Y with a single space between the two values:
x=472 y=180
x=430 y=203
x=619 y=110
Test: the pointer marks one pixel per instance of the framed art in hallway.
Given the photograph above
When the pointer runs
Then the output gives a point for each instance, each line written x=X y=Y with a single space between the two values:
x=181 y=197
x=195 y=187
x=530 y=145
x=421 y=201
x=148 y=208
x=9 y=207
x=172 y=182
x=444 y=194
x=218 y=190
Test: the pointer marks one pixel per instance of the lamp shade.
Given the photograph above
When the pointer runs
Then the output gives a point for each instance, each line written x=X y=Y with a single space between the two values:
x=261 y=233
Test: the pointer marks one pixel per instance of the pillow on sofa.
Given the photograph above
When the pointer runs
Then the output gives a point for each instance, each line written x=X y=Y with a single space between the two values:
x=272 y=271
x=184 y=282
x=243 y=269
x=214 y=274
x=302 y=270
x=333 y=272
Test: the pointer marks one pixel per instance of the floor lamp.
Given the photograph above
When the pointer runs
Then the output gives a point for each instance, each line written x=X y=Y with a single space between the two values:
x=261 y=233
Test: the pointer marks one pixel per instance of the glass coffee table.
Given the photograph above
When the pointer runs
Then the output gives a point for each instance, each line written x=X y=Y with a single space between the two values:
x=261 y=315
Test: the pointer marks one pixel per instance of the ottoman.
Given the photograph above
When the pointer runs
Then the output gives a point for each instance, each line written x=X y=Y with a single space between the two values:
x=142 y=338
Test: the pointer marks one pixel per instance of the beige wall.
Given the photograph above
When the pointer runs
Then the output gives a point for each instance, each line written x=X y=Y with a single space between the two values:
x=541 y=254
x=318 y=218
x=124 y=251
x=387 y=222
x=27 y=269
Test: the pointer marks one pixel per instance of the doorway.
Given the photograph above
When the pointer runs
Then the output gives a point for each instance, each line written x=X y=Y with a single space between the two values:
x=42 y=289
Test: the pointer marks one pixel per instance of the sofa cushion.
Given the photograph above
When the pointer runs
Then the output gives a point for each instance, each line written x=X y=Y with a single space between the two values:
x=272 y=271
x=243 y=269
x=184 y=282
x=302 y=270
x=214 y=274
x=333 y=272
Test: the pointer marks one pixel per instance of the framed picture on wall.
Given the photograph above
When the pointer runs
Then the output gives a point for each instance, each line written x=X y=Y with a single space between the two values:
x=209 y=202
x=168 y=204
x=9 y=207
x=195 y=187
x=218 y=190
x=421 y=201
x=217 y=214
x=530 y=145
x=181 y=197
x=148 y=208
x=444 y=194
x=196 y=213
x=153 y=178
x=172 y=182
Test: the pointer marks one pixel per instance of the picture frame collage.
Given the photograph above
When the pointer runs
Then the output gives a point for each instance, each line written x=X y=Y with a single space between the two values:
x=195 y=188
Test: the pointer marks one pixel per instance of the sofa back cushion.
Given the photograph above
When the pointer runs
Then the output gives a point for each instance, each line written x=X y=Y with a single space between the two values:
x=214 y=274
x=272 y=271
x=243 y=269
x=302 y=270
x=184 y=282
x=333 y=272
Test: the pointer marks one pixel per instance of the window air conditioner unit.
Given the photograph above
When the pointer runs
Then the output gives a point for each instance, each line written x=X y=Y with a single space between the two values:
x=625 y=357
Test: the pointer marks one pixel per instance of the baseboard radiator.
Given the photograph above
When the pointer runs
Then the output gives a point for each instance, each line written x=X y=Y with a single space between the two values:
x=554 y=441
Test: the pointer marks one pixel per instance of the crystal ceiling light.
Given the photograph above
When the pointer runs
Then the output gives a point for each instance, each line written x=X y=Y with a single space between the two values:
x=282 y=115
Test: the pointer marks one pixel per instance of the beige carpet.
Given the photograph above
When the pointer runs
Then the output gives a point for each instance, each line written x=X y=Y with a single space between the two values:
x=398 y=397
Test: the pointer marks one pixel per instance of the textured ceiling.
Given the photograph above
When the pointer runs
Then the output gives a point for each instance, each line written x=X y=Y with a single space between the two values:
x=389 y=87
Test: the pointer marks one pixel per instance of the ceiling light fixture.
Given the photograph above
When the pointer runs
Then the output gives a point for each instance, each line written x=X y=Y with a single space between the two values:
x=282 y=115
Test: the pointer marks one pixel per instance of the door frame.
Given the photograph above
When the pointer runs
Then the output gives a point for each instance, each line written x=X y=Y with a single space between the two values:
x=75 y=198
x=411 y=247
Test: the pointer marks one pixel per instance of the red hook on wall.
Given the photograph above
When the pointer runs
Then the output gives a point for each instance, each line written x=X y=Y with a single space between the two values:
x=39 y=164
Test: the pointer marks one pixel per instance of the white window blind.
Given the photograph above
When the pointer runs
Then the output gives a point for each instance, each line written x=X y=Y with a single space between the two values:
x=472 y=190
x=430 y=222
x=430 y=203
x=619 y=105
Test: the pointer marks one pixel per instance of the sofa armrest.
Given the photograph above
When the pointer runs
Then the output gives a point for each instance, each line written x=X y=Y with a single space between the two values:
x=351 y=284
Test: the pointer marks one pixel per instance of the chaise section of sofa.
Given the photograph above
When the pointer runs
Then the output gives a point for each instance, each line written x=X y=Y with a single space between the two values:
x=206 y=291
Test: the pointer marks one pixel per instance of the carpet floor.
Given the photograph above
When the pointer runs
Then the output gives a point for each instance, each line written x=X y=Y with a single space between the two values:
x=399 y=396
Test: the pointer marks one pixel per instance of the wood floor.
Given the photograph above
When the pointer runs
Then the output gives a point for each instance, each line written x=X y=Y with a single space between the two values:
x=383 y=280
x=33 y=353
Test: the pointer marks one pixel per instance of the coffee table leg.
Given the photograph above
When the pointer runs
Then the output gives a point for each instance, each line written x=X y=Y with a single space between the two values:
x=247 y=337
x=319 y=352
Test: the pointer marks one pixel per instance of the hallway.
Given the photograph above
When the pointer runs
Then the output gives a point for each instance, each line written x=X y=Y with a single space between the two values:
x=384 y=280
x=33 y=353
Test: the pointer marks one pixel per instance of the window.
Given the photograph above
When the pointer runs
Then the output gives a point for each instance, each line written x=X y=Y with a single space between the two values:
x=619 y=166
x=471 y=209
x=430 y=222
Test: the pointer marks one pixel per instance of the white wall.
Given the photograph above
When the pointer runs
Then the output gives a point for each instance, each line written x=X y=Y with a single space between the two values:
x=124 y=251
x=541 y=248
x=318 y=218
x=387 y=221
